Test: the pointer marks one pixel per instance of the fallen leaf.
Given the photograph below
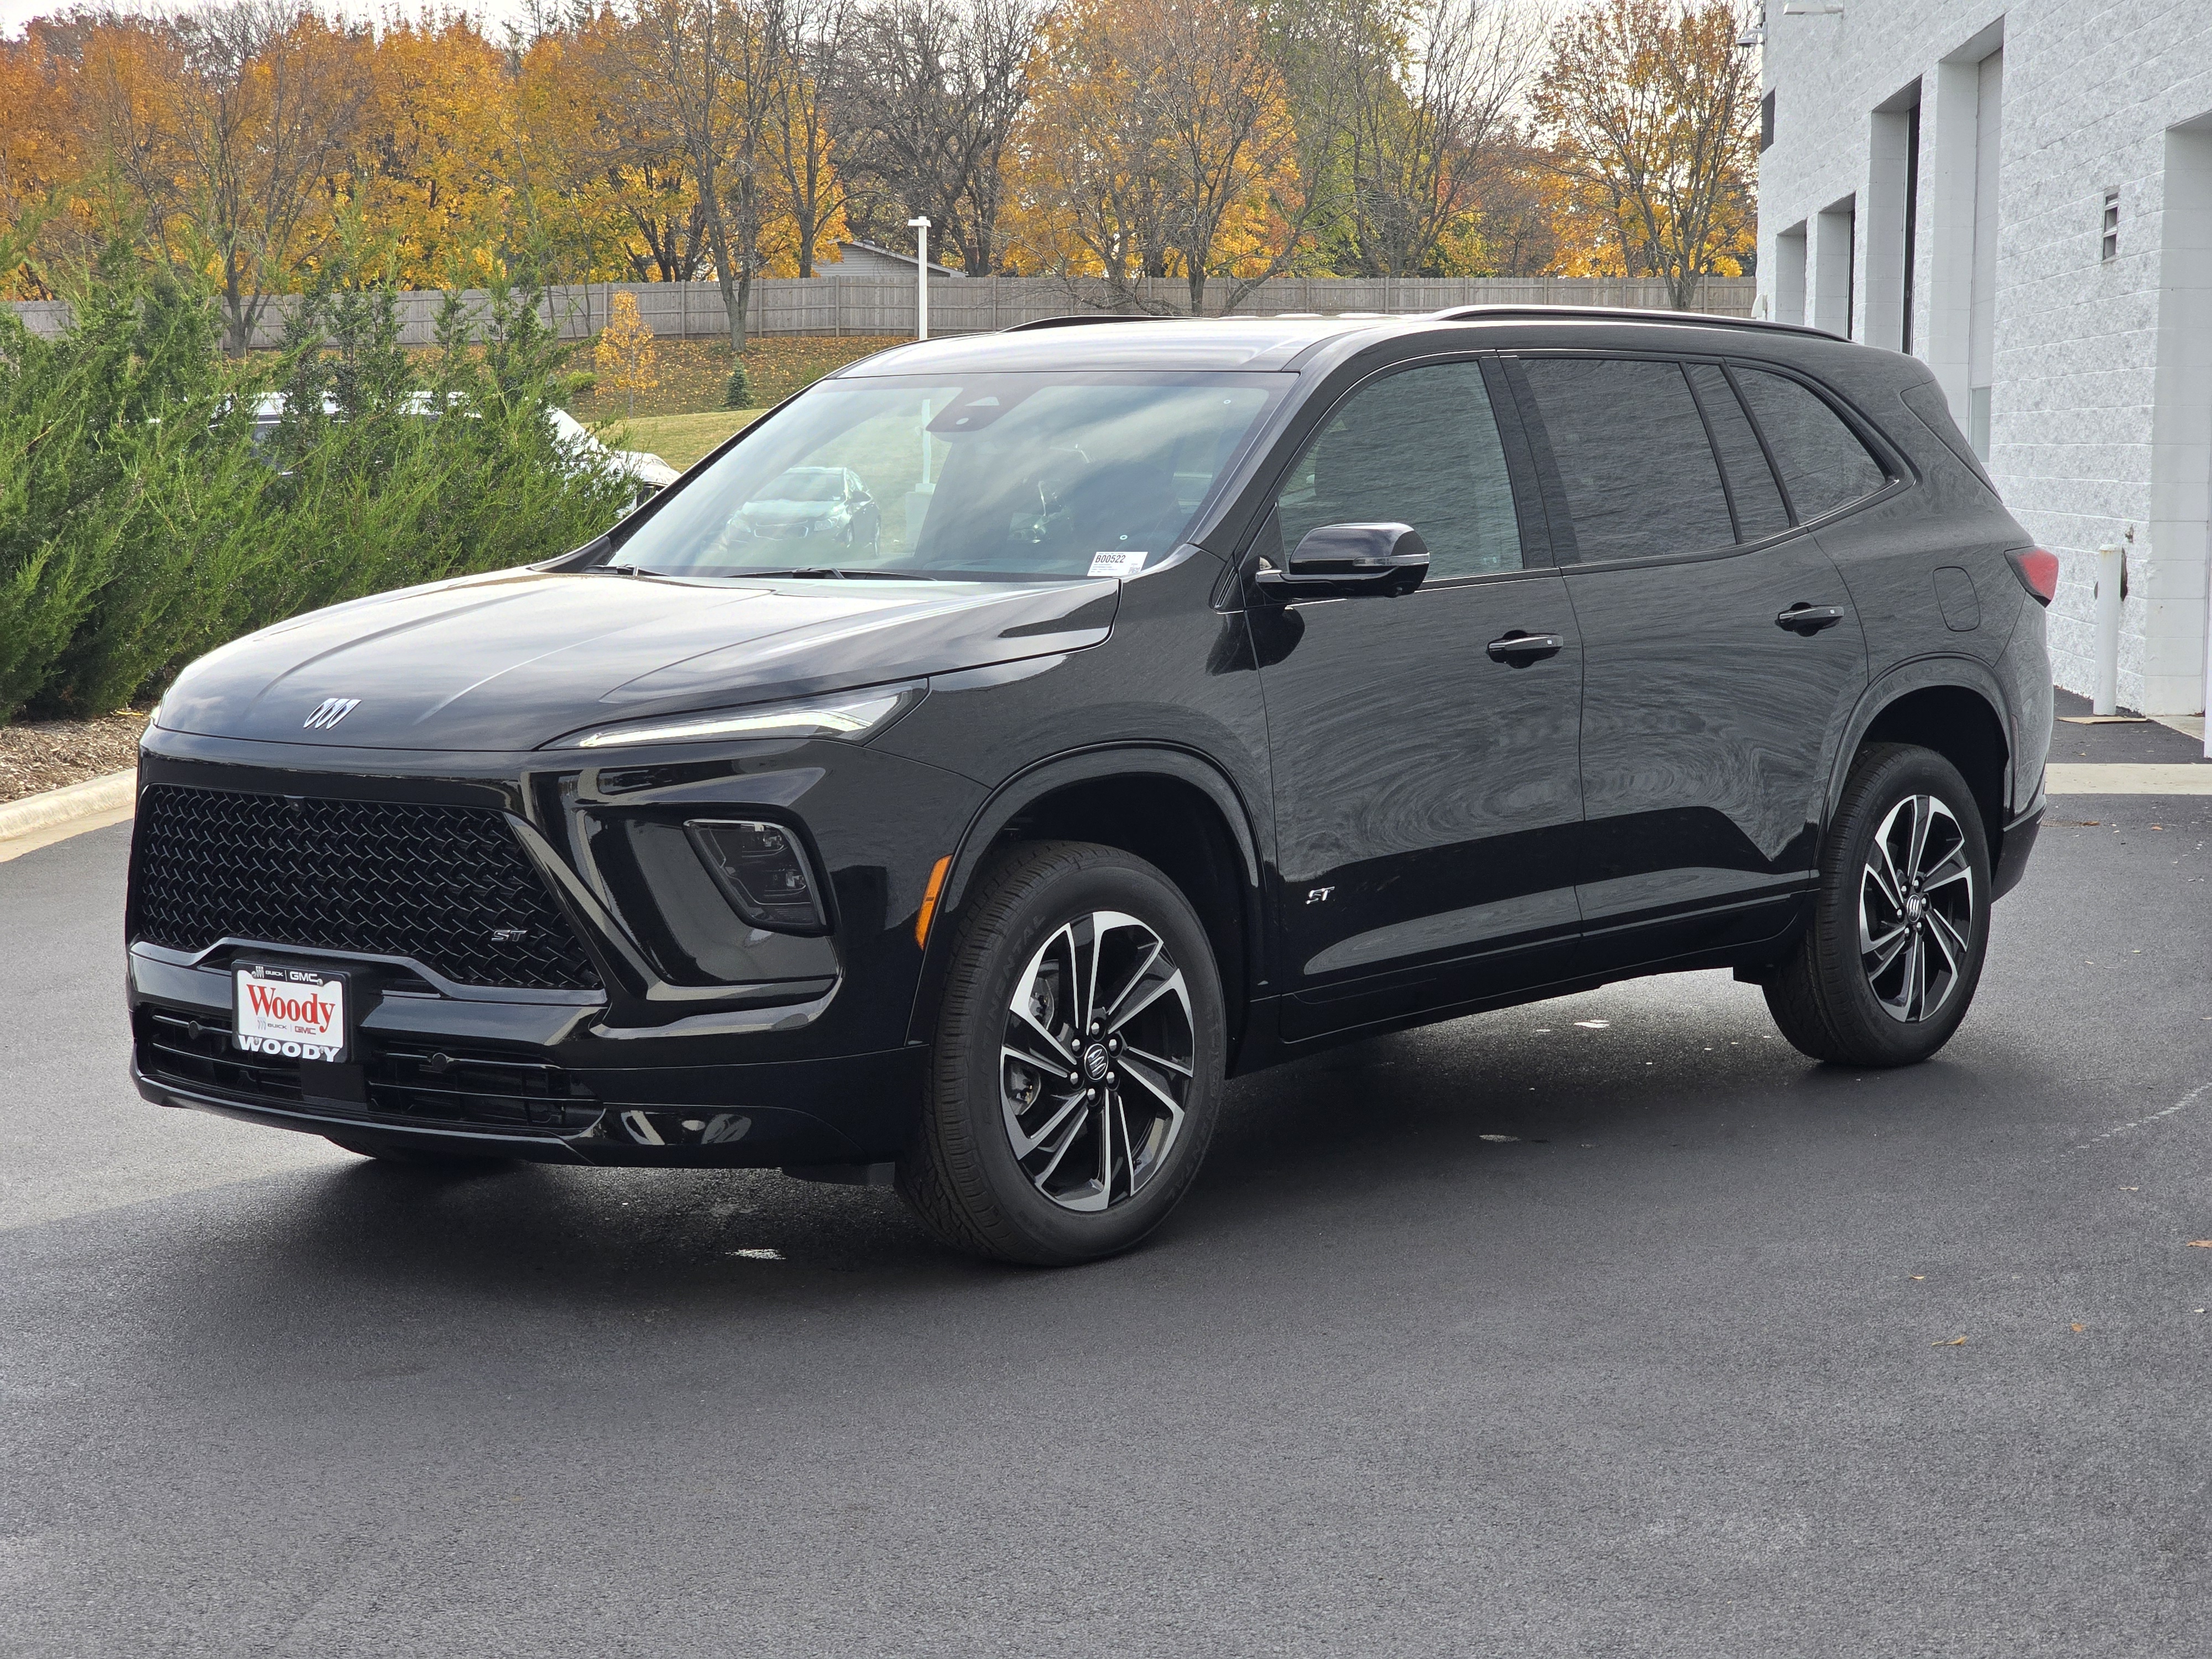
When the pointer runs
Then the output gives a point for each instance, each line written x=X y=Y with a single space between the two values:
x=2077 y=1328
x=2200 y=1243
x=1955 y=1342
x=1916 y=1278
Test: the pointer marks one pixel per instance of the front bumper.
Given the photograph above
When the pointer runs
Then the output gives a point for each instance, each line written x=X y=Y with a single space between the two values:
x=760 y=1115
x=672 y=1058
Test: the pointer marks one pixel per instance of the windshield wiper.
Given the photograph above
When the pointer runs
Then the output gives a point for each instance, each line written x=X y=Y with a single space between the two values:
x=831 y=573
x=796 y=573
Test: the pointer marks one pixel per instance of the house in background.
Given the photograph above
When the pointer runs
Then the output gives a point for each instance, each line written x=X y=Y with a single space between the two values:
x=2022 y=197
x=867 y=259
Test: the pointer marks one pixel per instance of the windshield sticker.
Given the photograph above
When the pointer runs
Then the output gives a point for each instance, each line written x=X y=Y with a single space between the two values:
x=1118 y=564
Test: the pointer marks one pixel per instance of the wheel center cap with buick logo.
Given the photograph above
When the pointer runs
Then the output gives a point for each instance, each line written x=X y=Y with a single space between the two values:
x=1095 y=1062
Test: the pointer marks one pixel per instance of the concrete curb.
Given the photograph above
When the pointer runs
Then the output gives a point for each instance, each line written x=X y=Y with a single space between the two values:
x=2129 y=778
x=93 y=798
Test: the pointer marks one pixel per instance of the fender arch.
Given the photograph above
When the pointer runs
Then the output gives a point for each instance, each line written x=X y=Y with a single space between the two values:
x=1957 y=674
x=1036 y=784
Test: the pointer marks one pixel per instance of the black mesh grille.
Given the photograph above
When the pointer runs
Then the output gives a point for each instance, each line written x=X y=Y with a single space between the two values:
x=458 y=1088
x=448 y=886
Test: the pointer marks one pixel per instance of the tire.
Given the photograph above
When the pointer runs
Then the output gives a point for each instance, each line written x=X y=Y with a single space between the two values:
x=421 y=1157
x=1849 y=996
x=1040 y=917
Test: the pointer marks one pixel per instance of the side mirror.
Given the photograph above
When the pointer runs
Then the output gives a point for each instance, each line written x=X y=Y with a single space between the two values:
x=1340 y=561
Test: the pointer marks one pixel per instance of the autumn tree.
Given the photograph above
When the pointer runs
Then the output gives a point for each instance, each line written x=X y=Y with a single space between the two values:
x=1652 y=113
x=229 y=121
x=432 y=166
x=926 y=95
x=594 y=137
x=808 y=188
x=710 y=85
x=1162 y=144
x=1430 y=87
x=41 y=155
x=624 y=352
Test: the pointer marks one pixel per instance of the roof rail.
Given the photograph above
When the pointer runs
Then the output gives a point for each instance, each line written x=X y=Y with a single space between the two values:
x=1090 y=317
x=1615 y=314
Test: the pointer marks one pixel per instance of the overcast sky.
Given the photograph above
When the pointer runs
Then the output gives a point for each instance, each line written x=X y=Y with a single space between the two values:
x=14 y=14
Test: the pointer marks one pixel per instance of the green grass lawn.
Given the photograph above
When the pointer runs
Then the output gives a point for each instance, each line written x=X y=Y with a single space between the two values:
x=678 y=439
x=692 y=374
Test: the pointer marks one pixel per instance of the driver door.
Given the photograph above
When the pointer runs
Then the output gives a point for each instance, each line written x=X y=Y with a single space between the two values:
x=1428 y=795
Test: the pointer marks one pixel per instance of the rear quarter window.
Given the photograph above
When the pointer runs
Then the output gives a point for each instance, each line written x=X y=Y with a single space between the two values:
x=1823 y=463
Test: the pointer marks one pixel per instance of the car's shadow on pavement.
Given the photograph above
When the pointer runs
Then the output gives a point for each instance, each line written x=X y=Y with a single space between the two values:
x=1455 y=1129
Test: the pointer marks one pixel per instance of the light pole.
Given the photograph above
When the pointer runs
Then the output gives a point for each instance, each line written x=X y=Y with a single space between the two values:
x=921 y=228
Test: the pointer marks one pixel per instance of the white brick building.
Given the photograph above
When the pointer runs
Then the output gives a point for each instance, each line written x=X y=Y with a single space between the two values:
x=2023 y=198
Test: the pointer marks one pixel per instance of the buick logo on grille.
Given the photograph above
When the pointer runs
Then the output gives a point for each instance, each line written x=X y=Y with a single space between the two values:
x=333 y=710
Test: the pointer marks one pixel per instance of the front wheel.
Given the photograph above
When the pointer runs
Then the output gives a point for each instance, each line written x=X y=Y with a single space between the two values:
x=1078 y=1060
x=1900 y=918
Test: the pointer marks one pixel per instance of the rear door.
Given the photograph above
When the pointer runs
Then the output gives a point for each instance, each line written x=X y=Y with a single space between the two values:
x=1720 y=653
x=1427 y=794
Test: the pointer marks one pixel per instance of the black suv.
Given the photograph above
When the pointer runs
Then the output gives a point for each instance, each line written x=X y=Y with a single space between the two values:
x=958 y=776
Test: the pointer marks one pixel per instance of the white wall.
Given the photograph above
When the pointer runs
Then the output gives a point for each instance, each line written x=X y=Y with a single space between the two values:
x=2099 y=374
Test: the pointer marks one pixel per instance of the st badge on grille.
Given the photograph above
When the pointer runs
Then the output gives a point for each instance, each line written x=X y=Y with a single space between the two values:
x=333 y=710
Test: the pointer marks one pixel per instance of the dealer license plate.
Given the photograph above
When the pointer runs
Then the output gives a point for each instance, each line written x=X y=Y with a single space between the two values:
x=297 y=1012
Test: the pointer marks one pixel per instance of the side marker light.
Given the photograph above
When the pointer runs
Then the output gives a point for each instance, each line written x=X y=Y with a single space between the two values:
x=929 y=897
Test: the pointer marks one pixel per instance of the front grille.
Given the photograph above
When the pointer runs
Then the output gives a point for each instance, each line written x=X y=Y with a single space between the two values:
x=456 y=1088
x=447 y=886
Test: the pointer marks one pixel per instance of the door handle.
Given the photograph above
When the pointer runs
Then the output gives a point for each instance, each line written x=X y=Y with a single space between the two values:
x=1809 y=619
x=1518 y=650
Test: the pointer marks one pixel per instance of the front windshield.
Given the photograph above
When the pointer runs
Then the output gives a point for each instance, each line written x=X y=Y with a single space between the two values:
x=990 y=477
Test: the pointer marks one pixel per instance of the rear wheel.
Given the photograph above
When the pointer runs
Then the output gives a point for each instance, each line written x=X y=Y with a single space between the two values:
x=1078 y=1060
x=1900 y=919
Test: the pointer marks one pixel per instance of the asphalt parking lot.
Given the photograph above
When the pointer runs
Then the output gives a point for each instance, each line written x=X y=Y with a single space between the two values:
x=1601 y=1327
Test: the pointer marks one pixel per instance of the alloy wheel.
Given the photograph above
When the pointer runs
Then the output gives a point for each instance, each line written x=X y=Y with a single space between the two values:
x=1916 y=902
x=1095 y=1065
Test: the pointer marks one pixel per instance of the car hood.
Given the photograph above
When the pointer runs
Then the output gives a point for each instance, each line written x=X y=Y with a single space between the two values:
x=513 y=660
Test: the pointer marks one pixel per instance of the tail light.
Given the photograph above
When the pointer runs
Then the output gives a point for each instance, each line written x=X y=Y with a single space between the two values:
x=2037 y=572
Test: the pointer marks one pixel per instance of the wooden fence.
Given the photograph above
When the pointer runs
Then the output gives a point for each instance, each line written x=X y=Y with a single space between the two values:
x=835 y=305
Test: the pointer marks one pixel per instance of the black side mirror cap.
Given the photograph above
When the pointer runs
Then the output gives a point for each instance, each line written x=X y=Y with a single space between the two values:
x=1338 y=560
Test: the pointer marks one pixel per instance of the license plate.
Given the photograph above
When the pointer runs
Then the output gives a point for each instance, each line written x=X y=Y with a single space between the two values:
x=296 y=1012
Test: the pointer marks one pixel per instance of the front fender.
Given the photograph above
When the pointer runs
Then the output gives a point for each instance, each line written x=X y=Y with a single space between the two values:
x=1031 y=785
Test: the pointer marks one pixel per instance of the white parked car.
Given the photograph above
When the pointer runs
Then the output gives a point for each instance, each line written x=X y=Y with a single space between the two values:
x=577 y=441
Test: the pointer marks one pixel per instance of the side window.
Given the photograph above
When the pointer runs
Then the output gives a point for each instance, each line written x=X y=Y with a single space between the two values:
x=1417 y=447
x=1759 y=509
x=1824 y=465
x=1633 y=462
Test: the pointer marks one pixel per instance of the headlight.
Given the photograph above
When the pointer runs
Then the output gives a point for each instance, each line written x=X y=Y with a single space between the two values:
x=851 y=716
